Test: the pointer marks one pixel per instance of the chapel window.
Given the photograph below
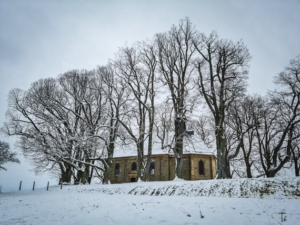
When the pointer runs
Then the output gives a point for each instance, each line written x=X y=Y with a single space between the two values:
x=152 y=168
x=133 y=166
x=117 y=169
x=201 y=167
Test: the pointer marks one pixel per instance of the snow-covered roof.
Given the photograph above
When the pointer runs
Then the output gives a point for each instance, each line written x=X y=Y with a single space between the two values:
x=192 y=144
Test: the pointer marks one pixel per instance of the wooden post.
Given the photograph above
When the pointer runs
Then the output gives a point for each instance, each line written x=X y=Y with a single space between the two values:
x=20 y=185
x=61 y=185
x=48 y=186
x=33 y=185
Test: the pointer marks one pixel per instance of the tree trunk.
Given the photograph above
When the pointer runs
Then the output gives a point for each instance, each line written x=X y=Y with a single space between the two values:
x=271 y=173
x=179 y=130
x=106 y=174
x=91 y=173
x=66 y=174
x=85 y=179
x=140 y=160
x=148 y=162
x=297 y=170
x=295 y=159
x=83 y=175
x=179 y=160
x=222 y=165
x=248 y=168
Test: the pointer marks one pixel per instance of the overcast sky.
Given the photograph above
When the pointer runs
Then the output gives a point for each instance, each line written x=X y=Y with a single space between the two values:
x=40 y=39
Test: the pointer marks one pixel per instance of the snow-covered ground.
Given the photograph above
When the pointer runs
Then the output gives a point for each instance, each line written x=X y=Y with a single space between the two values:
x=238 y=201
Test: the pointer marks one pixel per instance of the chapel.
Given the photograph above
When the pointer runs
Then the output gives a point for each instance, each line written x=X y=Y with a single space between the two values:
x=198 y=163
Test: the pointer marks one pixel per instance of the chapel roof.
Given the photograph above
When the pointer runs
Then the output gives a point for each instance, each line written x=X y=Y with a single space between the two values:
x=192 y=144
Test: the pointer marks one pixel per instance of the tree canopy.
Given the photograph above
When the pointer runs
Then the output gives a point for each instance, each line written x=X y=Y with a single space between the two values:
x=6 y=155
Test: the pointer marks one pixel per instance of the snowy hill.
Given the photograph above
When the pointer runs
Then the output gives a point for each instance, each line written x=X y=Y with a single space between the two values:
x=237 y=188
x=237 y=201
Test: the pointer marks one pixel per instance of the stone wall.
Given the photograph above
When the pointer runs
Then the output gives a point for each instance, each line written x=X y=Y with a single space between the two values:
x=209 y=167
x=162 y=170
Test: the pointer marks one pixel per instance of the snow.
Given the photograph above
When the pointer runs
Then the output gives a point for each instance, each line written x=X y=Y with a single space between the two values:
x=191 y=145
x=237 y=201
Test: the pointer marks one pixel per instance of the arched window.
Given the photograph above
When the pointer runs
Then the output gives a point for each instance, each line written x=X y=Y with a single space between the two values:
x=152 y=168
x=201 y=167
x=133 y=166
x=117 y=169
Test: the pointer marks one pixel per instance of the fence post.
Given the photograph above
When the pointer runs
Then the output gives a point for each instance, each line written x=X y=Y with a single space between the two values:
x=48 y=186
x=61 y=185
x=33 y=185
x=20 y=185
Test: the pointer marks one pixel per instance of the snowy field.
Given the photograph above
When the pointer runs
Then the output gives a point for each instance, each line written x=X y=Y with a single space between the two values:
x=243 y=201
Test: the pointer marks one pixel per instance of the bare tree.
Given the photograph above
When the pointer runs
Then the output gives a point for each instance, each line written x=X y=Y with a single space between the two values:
x=136 y=68
x=26 y=119
x=116 y=95
x=50 y=125
x=27 y=116
x=148 y=51
x=270 y=136
x=175 y=55
x=222 y=71
x=280 y=120
x=243 y=117
x=289 y=78
x=84 y=89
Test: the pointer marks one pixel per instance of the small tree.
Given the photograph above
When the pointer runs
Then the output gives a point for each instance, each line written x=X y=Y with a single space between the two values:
x=278 y=134
x=6 y=155
x=242 y=120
